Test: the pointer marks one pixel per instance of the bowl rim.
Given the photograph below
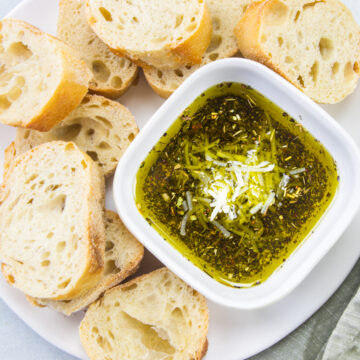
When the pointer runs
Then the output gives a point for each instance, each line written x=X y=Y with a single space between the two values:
x=124 y=182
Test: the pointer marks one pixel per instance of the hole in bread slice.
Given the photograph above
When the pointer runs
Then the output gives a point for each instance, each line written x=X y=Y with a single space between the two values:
x=93 y=155
x=110 y=267
x=19 y=50
x=216 y=41
x=104 y=343
x=326 y=48
x=151 y=337
x=100 y=70
x=106 y=122
x=60 y=246
x=179 y=20
x=64 y=284
x=213 y=56
x=105 y=13
x=104 y=146
x=4 y=102
x=349 y=72
x=314 y=72
x=276 y=14
x=178 y=73
x=356 y=67
x=216 y=23
x=68 y=133
x=109 y=245
x=116 y=82
x=312 y=4
x=129 y=288
x=301 y=81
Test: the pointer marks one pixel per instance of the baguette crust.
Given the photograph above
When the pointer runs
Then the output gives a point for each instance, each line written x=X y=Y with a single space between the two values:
x=126 y=254
x=250 y=24
x=9 y=156
x=195 y=46
x=111 y=75
x=321 y=80
x=91 y=264
x=68 y=85
x=170 y=56
x=128 y=297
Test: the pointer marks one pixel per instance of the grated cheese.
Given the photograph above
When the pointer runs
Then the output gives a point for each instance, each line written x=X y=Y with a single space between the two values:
x=240 y=189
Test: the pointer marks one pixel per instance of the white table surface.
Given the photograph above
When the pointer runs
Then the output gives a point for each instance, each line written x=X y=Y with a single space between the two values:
x=19 y=342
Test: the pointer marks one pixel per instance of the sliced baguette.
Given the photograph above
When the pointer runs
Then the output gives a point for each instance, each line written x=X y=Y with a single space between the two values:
x=41 y=78
x=155 y=316
x=225 y=15
x=112 y=74
x=100 y=127
x=313 y=44
x=164 y=34
x=123 y=254
x=52 y=236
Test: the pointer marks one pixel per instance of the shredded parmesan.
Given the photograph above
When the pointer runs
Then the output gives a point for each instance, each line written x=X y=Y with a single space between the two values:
x=226 y=233
x=189 y=200
x=256 y=208
x=183 y=224
x=297 y=171
x=239 y=189
x=269 y=201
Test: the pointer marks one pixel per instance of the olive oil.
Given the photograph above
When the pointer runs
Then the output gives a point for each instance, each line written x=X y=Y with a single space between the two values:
x=236 y=184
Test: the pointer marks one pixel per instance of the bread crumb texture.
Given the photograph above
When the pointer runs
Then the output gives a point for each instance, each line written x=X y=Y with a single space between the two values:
x=156 y=316
x=52 y=235
x=100 y=127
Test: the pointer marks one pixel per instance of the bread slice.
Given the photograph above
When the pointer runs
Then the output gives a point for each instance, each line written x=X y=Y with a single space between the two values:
x=313 y=44
x=52 y=236
x=41 y=79
x=155 y=316
x=164 y=34
x=123 y=254
x=225 y=15
x=111 y=74
x=100 y=127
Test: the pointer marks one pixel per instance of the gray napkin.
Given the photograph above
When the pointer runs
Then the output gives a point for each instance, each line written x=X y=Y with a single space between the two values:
x=307 y=342
x=344 y=342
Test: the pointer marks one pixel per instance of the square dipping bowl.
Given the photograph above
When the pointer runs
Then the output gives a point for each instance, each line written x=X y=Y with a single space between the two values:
x=312 y=249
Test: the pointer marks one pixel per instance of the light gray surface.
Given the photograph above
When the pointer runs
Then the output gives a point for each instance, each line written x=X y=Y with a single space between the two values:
x=18 y=341
x=7 y=5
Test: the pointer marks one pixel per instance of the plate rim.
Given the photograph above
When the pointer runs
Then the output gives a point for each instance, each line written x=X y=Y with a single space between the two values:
x=265 y=344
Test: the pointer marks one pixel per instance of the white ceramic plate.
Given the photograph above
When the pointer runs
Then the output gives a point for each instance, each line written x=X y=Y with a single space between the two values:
x=233 y=334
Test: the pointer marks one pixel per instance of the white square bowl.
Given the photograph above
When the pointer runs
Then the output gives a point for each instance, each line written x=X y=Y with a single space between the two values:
x=321 y=125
